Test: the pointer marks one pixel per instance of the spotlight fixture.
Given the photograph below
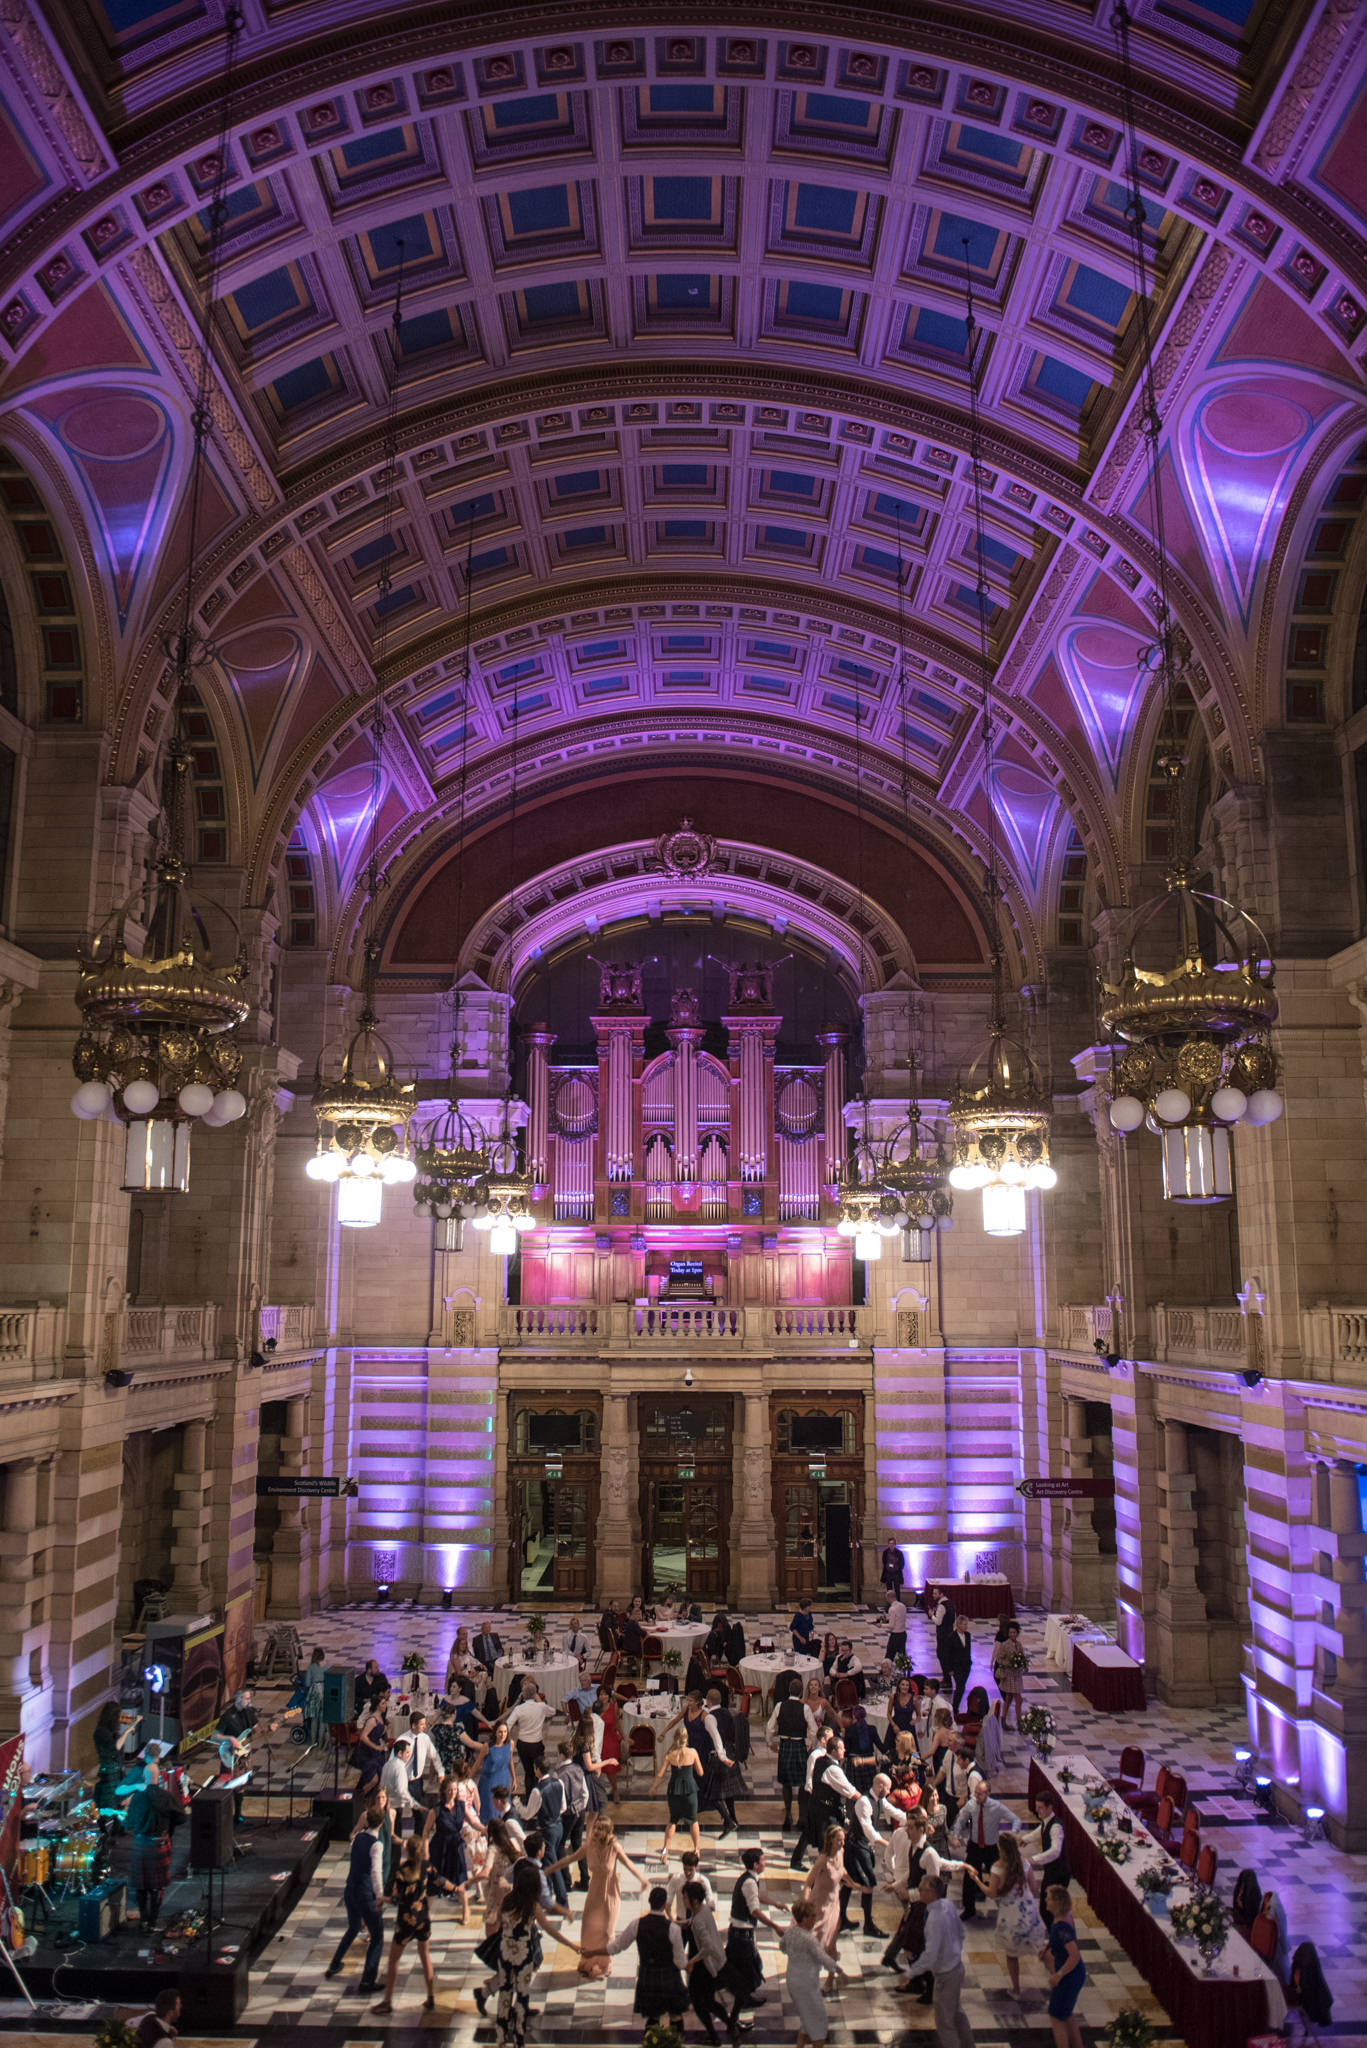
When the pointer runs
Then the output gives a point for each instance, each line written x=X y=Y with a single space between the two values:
x=256 y=1361
x=1112 y=1358
x=381 y=1593
x=1243 y=1768
x=448 y=1594
x=1262 y=1796
x=1312 y=1824
x=1249 y=1376
x=117 y=1377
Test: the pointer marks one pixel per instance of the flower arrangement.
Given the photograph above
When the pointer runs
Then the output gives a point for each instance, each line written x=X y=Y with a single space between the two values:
x=1036 y=1724
x=414 y=1661
x=1065 y=1778
x=1204 y=1919
x=536 y=1626
x=662 y=2035
x=1096 y=1788
x=1129 y=2029
x=1114 y=1848
x=115 y=2034
x=671 y=1659
x=1014 y=1660
x=1154 y=1877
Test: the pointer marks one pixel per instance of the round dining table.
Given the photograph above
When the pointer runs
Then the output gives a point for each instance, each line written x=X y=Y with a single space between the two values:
x=682 y=1636
x=763 y=1668
x=557 y=1679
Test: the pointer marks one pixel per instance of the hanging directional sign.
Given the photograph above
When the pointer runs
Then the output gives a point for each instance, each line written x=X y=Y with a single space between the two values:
x=294 y=1486
x=1066 y=1489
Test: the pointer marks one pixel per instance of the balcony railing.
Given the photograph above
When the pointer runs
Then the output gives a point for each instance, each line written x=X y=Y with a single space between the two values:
x=690 y=1326
x=1202 y=1336
x=32 y=1335
x=186 y=1332
x=289 y=1323
x=1081 y=1323
x=1334 y=1343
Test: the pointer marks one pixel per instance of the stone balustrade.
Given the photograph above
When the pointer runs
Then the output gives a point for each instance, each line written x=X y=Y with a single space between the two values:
x=1334 y=1344
x=289 y=1323
x=685 y=1326
x=183 y=1332
x=32 y=1335
x=1202 y=1336
x=1082 y=1323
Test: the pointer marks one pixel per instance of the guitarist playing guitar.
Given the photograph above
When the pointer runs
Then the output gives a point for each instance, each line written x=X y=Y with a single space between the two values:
x=237 y=1722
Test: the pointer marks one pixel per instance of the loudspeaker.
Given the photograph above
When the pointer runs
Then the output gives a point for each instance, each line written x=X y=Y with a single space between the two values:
x=100 y=1913
x=338 y=1810
x=211 y=1829
x=339 y=1696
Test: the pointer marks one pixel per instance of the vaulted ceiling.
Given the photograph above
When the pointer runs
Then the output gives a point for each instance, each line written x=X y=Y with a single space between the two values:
x=681 y=374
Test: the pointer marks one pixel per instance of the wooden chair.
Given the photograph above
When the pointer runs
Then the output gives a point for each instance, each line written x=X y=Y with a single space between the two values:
x=1262 y=1937
x=1177 y=1791
x=1191 y=1821
x=744 y=1693
x=573 y=1712
x=1207 y=1863
x=652 y=1649
x=1130 y=1778
x=1162 y=1822
x=641 y=1742
x=846 y=1697
x=627 y=1690
x=1145 y=1803
x=1190 y=1852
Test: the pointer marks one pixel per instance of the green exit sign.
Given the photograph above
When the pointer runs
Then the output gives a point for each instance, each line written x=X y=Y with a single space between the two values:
x=685 y=1471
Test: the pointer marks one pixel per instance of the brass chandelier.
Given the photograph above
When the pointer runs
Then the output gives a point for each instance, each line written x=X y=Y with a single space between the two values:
x=1197 y=1056
x=1001 y=1113
x=157 y=1047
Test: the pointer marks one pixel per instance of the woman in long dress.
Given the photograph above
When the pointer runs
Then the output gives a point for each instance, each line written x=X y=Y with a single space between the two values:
x=1008 y=1669
x=822 y=1890
x=1018 y=1930
x=495 y=1767
x=610 y=1747
x=449 y=1870
x=521 y=1923
x=605 y=1858
x=684 y=1768
x=806 y=1960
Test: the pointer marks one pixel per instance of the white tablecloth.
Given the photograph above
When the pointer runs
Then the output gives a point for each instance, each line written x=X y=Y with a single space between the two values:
x=681 y=1637
x=557 y=1680
x=1109 y=1654
x=1237 y=1958
x=1059 y=1638
x=763 y=1670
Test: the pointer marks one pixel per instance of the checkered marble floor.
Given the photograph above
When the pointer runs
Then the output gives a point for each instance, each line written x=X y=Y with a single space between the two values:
x=1323 y=1891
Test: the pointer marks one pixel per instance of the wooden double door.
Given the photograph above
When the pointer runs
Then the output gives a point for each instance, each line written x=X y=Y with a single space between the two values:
x=685 y=1499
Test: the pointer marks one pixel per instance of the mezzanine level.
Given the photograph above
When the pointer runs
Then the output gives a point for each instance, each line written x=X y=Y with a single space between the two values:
x=710 y=1327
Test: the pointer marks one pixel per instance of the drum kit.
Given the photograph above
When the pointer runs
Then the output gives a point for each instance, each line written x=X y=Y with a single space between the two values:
x=65 y=1837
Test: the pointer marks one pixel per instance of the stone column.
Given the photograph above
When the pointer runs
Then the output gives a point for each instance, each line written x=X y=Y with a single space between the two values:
x=190 y=1522
x=1178 y=1644
x=20 y=1483
x=1088 y=1577
x=618 y=1526
x=753 y=1571
x=289 y=1554
x=1334 y=1766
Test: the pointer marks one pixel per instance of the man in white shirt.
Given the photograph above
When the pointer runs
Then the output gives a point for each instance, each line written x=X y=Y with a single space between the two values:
x=862 y=1841
x=394 y=1782
x=628 y=1934
x=527 y=1729
x=422 y=1759
x=578 y=1644
x=956 y=1777
x=501 y=1801
x=942 y=1954
x=897 y=1627
x=690 y=1872
x=981 y=1822
x=1050 y=1851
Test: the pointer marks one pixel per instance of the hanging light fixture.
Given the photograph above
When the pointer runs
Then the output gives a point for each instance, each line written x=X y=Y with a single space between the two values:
x=1197 y=1057
x=362 y=1108
x=157 y=1040
x=1001 y=1113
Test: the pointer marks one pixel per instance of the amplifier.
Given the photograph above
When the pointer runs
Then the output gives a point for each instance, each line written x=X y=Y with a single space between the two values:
x=101 y=1912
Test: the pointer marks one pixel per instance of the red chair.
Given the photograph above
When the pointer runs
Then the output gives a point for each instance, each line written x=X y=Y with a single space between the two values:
x=652 y=1649
x=1131 y=1775
x=1190 y=1852
x=846 y=1697
x=573 y=1711
x=1191 y=1821
x=1207 y=1863
x=641 y=1742
x=1177 y=1791
x=1145 y=1803
x=738 y=1688
x=1162 y=1822
x=1262 y=1937
x=627 y=1690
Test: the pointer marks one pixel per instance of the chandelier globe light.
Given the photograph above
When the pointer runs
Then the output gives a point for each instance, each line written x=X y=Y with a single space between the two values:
x=1001 y=1113
x=363 y=1113
x=909 y=1175
x=157 y=1044
x=1196 y=1056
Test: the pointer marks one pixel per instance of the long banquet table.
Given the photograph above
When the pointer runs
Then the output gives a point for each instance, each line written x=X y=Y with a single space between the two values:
x=979 y=1599
x=1242 y=1998
x=1108 y=1678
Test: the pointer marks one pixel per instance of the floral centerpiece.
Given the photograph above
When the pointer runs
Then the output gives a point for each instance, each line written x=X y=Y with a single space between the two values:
x=1036 y=1724
x=671 y=1659
x=1204 y=1919
x=414 y=1662
x=536 y=1629
x=1129 y=2029
x=1114 y=1848
x=115 y=2034
x=1066 y=1778
x=662 y=2035
x=1154 y=1880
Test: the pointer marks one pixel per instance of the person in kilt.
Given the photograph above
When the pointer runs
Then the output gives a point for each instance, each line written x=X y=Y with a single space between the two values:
x=660 y=1961
x=152 y=1814
x=743 y=1973
x=723 y=1779
x=788 y=1724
